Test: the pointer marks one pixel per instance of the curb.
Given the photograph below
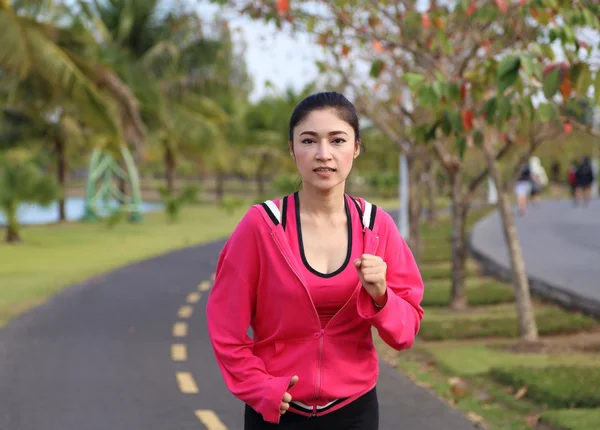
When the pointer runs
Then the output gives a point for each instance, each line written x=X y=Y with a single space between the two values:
x=538 y=287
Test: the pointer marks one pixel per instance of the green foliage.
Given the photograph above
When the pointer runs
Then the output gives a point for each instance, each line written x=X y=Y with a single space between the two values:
x=551 y=322
x=572 y=419
x=385 y=183
x=22 y=180
x=479 y=292
x=231 y=204
x=174 y=202
x=286 y=184
x=555 y=386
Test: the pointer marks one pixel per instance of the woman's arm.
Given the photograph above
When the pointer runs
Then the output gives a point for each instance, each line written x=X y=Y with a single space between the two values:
x=229 y=312
x=398 y=321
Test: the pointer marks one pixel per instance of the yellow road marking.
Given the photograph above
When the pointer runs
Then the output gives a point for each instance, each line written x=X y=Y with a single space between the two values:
x=186 y=383
x=178 y=352
x=210 y=420
x=204 y=286
x=193 y=297
x=180 y=329
x=185 y=311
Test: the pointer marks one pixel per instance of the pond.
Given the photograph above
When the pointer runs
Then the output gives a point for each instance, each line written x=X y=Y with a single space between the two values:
x=34 y=214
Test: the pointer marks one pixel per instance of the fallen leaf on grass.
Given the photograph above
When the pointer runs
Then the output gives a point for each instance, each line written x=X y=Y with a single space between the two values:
x=519 y=394
x=475 y=418
x=458 y=388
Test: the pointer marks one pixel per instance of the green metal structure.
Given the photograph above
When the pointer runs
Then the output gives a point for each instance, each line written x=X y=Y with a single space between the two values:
x=103 y=196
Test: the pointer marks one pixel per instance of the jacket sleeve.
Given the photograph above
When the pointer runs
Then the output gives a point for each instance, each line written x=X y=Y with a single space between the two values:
x=229 y=311
x=399 y=320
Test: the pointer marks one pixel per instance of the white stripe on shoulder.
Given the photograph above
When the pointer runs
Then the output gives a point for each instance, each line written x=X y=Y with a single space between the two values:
x=274 y=209
x=367 y=214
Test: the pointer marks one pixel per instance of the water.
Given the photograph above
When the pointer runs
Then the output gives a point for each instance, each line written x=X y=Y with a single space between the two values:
x=34 y=214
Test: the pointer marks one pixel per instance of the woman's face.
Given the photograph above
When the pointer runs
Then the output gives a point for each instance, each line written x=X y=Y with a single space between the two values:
x=324 y=147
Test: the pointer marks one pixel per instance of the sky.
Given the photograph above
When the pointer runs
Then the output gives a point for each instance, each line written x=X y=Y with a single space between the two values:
x=272 y=55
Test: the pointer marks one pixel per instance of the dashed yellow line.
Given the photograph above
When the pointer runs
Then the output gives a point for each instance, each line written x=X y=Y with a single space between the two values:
x=186 y=383
x=185 y=311
x=180 y=329
x=178 y=352
x=210 y=420
x=193 y=297
x=204 y=286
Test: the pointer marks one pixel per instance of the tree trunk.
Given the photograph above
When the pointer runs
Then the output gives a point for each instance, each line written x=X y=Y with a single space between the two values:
x=430 y=184
x=61 y=176
x=260 y=176
x=526 y=316
x=414 y=208
x=12 y=227
x=459 y=244
x=170 y=169
x=220 y=187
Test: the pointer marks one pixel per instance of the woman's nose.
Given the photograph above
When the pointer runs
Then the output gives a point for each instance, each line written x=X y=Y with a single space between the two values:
x=323 y=151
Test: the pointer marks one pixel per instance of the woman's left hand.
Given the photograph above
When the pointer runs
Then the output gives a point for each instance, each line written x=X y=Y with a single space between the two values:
x=371 y=271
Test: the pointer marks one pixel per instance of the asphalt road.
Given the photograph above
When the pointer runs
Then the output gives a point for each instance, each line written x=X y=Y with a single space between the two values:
x=561 y=245
x=129 y=350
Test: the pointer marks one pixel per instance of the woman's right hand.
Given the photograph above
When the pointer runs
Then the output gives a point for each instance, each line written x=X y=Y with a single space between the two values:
x=287 y=397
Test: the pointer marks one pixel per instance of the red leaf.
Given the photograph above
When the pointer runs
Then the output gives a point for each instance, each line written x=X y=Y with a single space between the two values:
x=377 y=46
x=522 y=2
x=488 y=46
x=566 y=87
x=345 y=50
x=283 y=6
x=467 y=119
x=502 y=5
x=568 y=127
x=426 y=20
x=472 y=9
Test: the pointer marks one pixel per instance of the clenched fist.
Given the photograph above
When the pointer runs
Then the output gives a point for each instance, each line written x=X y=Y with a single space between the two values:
x=371 y=271
x=287 y=397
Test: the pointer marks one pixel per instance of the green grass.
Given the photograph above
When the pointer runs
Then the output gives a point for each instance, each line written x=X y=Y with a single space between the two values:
x=480 y=291
x=498 y=321
x=472 y=358
x=55 y=256
x=573 y=419
x=555 y=386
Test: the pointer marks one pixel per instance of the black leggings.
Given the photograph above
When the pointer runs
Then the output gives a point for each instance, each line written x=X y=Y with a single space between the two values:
x=361 y=414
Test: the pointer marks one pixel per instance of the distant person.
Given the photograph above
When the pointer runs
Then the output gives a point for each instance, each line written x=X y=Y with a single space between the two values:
x=523 y=188
x=584 y=178
x=539 y=179
x=572 y=179
x=555 y=179
x=312 y=274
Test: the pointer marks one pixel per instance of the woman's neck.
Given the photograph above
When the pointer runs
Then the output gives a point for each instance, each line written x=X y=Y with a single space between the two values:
x=315 y=203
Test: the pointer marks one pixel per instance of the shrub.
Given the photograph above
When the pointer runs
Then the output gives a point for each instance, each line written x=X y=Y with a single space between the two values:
x=479 y=292
x=555 y=386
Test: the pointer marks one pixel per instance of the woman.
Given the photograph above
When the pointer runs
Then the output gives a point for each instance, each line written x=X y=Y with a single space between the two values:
x=584 y=178
x=312 y=273
x=523 y=188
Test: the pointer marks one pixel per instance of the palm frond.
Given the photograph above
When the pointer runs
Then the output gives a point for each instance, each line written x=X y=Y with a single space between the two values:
x=14 y=55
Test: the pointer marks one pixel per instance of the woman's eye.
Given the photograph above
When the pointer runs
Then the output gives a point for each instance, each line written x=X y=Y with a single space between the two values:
x=338 y=141
x=307 y=141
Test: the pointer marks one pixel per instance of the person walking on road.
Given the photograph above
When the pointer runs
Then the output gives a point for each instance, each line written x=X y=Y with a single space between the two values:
x=523 y=188
x=312 y=273
x=584 y=178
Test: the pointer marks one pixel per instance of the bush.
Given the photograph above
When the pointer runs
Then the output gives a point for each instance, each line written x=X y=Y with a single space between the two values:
x=572 y=419
x=465 y=326
x=441 y=271
x=555 y=386
x=479 y=292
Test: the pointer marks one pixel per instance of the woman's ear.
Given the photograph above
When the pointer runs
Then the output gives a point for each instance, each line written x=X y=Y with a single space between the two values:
x=356 y=148
x=291 y=146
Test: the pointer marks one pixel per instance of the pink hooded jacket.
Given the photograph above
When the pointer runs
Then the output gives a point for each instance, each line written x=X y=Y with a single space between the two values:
x=258 y=283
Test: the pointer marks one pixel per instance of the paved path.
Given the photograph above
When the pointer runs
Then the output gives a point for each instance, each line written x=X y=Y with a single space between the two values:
x=101 y=356
x=561 y=247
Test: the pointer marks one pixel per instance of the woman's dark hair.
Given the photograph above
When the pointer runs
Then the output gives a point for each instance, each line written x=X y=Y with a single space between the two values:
x=325 y=100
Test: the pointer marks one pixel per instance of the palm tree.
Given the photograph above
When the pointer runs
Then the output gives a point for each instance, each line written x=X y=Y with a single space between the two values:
x=161 y=52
